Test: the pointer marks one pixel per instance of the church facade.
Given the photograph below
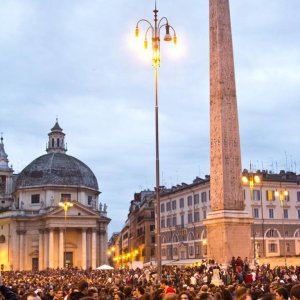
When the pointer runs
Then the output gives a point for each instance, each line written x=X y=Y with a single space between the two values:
x=50 y=214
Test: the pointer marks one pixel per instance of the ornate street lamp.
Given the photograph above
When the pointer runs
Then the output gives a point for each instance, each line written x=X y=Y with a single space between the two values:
x=65 y=205
x=154 y=30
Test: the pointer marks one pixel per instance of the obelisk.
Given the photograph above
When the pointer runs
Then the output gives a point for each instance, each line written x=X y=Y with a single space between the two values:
x=228 y=225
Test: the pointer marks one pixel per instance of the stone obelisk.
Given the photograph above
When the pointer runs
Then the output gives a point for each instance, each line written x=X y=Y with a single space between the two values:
x=228 y=225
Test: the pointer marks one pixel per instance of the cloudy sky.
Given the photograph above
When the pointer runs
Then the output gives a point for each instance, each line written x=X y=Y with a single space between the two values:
x=78 y=61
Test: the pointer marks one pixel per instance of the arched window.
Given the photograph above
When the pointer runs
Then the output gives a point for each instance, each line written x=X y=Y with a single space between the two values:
x=57 y=142
x=52 y=142
x=191 y=237
x=297 y=233
x=2 y=238
x=271 y=233
x=175 y=238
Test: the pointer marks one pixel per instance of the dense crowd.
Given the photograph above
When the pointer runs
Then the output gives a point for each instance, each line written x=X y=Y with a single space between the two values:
x=238 y=281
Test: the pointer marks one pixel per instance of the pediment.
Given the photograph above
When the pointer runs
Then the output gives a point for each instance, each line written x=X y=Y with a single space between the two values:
x=77 y=209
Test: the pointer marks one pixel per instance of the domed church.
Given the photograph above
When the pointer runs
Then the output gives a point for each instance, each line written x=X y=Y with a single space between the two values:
x=50 y=214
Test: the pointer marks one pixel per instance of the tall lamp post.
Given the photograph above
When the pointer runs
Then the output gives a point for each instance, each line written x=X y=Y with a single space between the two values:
x=282 y=195
x=65 y=205
x=155 y=37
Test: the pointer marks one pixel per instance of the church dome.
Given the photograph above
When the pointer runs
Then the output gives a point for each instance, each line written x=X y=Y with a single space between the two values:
x=57 y=169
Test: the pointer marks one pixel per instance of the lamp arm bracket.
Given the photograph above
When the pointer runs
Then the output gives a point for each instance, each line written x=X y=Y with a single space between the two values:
x=163 y=18
x=150 y=27
x=144 y=20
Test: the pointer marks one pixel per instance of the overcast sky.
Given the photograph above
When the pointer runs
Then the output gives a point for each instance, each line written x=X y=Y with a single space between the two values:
x=78 y=61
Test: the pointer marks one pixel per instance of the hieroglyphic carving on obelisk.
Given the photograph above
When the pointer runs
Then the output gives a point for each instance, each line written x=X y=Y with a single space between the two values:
x=225 y=155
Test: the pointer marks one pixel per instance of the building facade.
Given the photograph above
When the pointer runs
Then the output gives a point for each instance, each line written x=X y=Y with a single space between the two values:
x=37 y=229
x=136 y=240
x=273 y=202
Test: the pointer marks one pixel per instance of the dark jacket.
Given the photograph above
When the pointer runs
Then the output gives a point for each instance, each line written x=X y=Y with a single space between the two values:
x=8 y=293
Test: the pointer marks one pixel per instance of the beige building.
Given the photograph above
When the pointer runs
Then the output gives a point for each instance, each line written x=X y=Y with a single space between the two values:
x=36 y=230
x=274 y=204
x=136 y=241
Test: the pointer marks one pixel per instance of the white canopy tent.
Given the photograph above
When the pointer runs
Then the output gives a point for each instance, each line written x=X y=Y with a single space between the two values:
x=105 y=267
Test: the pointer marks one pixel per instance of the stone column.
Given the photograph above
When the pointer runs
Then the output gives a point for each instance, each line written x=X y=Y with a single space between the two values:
x=103 y=245
x=83 y=248
x=21 y=234
x=41 y=249
x=228 y=226
x=93 y=248
x=61 y=248
x=46 y=248
x=51 y=248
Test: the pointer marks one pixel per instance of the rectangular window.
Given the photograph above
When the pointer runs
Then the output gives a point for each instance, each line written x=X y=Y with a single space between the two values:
x=182 y=220
x=196 y=216
x=272 y=248
x=65 y=197
x=203 y=197
x=299 y=214
x=168 y=208
x=162 y=223
x=174 y=205
x=190 y=200
x=174 y=221
x=285 y=213
x=209 y=195
x=168 y=222
x=270 y=195
x=298 y=196
x=152 y=215
x=256 y=213
x=181 y=202
x=153 y=239
x=162 y=207
x=204 y=214
x=35 y=199
x=163 y=252
x=190 y=218
x=191 y=250
x=256 y=195
x=271 y=213
x=197 y=250
x=152 y=228
x=90 y=199
x=196 y=199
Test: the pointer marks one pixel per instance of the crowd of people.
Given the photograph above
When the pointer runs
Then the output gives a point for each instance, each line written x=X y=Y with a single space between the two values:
x=238 y=281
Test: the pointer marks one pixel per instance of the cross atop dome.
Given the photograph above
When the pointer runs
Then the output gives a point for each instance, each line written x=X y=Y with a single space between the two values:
x=56 y=142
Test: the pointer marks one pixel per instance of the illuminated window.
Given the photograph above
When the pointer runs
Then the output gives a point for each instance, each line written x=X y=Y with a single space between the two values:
x=270 y=194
